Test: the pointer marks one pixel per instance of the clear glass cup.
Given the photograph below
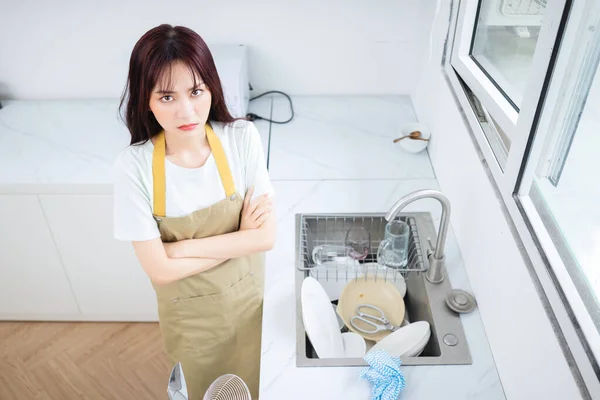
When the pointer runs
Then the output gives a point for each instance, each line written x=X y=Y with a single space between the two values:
x=358 y=240
x=357 y=244
x=326 y=253
x=393 y=249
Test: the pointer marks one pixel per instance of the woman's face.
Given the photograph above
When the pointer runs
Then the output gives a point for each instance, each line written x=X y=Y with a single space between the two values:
x=184 y=110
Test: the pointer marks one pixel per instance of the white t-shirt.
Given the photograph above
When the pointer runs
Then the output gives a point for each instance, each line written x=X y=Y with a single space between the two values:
x=187 y=189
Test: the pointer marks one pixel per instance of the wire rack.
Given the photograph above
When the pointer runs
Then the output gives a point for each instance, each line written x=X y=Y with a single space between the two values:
x=316 y=230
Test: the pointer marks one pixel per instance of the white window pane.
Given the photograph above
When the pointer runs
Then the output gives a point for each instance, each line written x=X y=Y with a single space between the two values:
x=506 y=35
x=566 y=192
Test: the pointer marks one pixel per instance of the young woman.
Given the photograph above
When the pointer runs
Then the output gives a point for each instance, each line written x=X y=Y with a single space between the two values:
x=193 y=194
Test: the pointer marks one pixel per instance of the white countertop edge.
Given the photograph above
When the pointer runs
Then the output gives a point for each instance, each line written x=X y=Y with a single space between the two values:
x=48 y=188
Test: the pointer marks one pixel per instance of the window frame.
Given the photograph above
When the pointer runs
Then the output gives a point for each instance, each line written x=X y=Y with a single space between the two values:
x=516 y=124
x=527 y=128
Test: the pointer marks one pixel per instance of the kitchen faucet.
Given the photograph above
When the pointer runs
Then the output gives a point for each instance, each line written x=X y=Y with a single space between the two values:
x=435 y=272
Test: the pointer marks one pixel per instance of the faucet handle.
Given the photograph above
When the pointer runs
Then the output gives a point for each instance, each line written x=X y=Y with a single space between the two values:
x=431 y=249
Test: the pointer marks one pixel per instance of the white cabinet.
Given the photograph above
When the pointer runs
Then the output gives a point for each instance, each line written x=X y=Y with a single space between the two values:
x=33 y=284
x=107 y=279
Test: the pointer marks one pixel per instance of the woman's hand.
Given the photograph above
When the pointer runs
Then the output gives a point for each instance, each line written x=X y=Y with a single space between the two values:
x=256 y=212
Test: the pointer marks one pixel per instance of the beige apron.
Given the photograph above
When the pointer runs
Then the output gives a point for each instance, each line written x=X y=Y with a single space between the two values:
x=211 y=322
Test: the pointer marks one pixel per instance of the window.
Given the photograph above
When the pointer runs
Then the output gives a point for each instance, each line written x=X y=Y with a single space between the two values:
x=560 y=183
x=527 y=74
x=502 y=52
x=506 y=35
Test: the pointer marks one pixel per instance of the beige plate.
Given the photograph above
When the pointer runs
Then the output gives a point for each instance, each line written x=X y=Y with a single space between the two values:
x=370 y=291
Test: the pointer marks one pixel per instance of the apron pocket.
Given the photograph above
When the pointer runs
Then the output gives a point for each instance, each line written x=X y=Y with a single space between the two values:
x=198 y=322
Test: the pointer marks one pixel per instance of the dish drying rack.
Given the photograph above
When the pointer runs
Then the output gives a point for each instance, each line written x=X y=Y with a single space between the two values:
x=316 y=230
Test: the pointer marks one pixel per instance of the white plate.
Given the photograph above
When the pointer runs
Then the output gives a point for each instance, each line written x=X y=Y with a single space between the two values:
x=332 y=275
x=418 y=348
x=339 y=319
x=354 y=345
x=407 y=341
x=388 y=274
x=319 y=320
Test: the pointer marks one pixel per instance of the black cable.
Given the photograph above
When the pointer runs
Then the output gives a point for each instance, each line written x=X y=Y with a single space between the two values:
x=253 y=117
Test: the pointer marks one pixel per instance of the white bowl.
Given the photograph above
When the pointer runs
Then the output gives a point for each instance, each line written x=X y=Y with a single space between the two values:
x=407 y=341
x=376 y=292
x=354 y=345
x=411 y=145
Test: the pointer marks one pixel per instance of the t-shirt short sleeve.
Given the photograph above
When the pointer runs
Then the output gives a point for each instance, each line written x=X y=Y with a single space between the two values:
x=132 y=213
x=255 y=165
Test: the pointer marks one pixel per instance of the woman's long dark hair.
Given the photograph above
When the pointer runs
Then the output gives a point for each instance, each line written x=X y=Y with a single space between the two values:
x=151 y=59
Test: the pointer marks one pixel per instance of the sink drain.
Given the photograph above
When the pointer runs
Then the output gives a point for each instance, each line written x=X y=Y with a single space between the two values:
x=450 y=340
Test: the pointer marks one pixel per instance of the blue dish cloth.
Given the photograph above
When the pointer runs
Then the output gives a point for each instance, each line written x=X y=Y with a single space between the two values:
x=384 y=374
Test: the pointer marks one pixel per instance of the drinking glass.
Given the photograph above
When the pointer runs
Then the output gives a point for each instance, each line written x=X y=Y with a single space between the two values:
x=393 y=249
x=358 y=241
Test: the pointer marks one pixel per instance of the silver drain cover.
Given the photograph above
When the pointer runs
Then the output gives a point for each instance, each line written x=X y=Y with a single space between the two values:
x=460 y=301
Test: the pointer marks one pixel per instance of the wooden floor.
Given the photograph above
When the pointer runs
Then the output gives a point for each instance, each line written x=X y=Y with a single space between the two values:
x=49 y=360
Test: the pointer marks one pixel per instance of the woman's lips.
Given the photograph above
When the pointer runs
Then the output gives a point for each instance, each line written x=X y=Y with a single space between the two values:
x=187 y=127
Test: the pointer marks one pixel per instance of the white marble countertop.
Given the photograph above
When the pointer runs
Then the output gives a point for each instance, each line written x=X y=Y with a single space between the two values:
x=59 y=142
x=335 y=156
x=68 y=145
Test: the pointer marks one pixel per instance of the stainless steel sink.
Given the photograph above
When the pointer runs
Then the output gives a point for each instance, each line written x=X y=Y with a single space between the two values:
x=424 y=301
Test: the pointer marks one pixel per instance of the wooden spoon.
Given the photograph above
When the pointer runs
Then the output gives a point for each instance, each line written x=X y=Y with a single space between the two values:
x=416 y=135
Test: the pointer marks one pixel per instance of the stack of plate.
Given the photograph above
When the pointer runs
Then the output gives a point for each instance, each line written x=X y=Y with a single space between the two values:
x=322 y=327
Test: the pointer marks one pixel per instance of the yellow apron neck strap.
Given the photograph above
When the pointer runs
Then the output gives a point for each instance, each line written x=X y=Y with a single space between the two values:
x=158 y=169
x=158 y=175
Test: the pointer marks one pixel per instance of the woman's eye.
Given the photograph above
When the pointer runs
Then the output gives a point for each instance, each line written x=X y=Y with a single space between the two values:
x=166 y=98
x=197 y=92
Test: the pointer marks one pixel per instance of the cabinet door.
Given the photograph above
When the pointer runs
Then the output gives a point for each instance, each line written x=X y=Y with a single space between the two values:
x=33 y=283
x=108 y=281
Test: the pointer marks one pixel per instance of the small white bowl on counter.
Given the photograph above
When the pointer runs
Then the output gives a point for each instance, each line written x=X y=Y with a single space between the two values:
x=414 y=145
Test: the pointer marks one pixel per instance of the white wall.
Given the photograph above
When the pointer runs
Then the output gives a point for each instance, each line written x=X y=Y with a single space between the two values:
x=528 y=358
x=80 y=49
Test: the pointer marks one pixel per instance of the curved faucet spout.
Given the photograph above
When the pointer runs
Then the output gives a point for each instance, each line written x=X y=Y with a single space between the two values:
x=436 y=260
